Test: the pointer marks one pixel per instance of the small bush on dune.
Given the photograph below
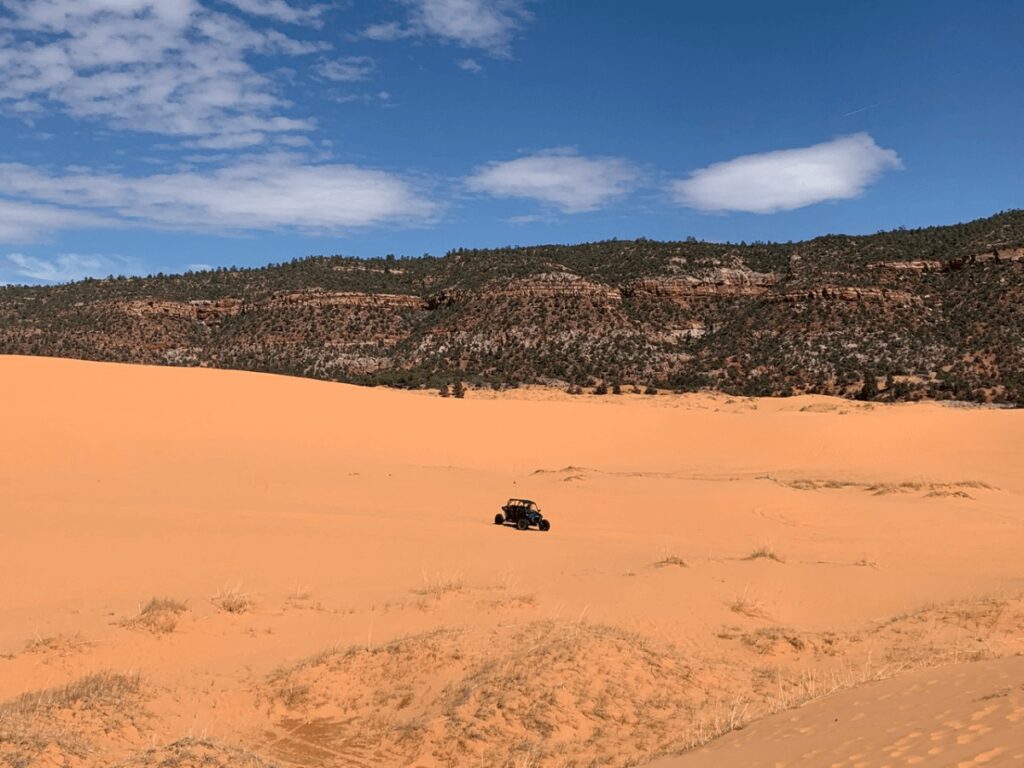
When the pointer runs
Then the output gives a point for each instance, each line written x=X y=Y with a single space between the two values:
x=671 y=560
x=159 y=615
x=233 y=600
x=765 y=552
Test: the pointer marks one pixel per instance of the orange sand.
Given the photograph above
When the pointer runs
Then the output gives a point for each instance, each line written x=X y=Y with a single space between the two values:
x=355 y=517
x=965 y=716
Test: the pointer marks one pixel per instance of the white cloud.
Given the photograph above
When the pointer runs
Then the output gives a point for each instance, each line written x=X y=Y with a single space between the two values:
x=264 y=193
x=388 y=31
x=63 y=268
x=170 y=67
x=382 y=98
x=27 y=222
x=489 y=25
x=565 y=180
x=469 y=65
x=280 y=11
x=789 y=178
x=350 y=69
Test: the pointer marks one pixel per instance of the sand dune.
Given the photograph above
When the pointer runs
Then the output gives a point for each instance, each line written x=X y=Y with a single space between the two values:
x=966 y=715
x=210 y=565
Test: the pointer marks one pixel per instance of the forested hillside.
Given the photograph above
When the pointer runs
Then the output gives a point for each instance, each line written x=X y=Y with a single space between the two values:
x=927 y=313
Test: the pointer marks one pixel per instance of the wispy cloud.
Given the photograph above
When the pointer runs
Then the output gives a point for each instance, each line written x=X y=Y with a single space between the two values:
x=469 y=65
x=489 y=25
x=388 y=31
x=23 y=222
x=787 y=179
x=281 y=10
x=63 y=268
x=570 y=182
x=264 y=193
x=172 y=67
x=349 y=69
x=378 y=97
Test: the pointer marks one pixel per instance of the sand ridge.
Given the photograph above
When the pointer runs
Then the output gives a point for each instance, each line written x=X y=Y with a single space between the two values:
x=966 y=716
x=275 y=559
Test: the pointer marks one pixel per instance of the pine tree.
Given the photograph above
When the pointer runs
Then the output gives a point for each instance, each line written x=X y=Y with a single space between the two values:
x=870 y=389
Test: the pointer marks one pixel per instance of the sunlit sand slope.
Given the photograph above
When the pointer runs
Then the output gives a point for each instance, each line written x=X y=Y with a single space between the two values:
x=203 y=565
x=966 y=715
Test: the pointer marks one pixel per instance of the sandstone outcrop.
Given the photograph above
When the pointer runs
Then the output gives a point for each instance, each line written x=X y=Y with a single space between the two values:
x=319 y=298
x=723 y=281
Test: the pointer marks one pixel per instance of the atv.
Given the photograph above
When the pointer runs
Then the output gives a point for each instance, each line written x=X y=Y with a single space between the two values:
x=522 y=513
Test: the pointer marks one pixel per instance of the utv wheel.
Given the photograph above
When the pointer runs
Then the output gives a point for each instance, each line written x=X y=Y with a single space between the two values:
x=544 y=525
x=499 y=519
x=522 y=524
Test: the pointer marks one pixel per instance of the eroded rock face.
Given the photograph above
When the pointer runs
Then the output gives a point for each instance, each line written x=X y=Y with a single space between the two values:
x=724 y=281
x=546 y=285
x=928 y=265
x=319 y=298
x=1006 y=255
x=157 y=307
x=998 y=256
x=554 y=284
x=209 y=312
x=852 y=294
x=213 y=312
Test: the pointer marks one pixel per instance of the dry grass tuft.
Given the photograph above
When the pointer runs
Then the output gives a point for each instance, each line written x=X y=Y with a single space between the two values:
x=670 y=561
x=103 y=688
x=36 y=722
x=233 y=600
x=438 y=586
x=62 y=644
x=512 y=601
x=768 y=640
x=747 y=605
x=301 y=597
x=299 y=593
x=930 y=489
x=159 y=616
x=947 y=493
x=196 y=753
x=765 y=552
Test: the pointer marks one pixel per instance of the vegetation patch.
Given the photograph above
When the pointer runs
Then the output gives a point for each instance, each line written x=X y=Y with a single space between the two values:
x=438 y=586
x=765 y=552
x=63 y=719
x=540 y=692
x=159 y=616
x=196 y=753
x=836 y=315
x=57 y=644
x=670 y=561
x=233 y=600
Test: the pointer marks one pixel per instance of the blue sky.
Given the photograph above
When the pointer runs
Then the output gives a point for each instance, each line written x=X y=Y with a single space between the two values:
x=157 y=135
